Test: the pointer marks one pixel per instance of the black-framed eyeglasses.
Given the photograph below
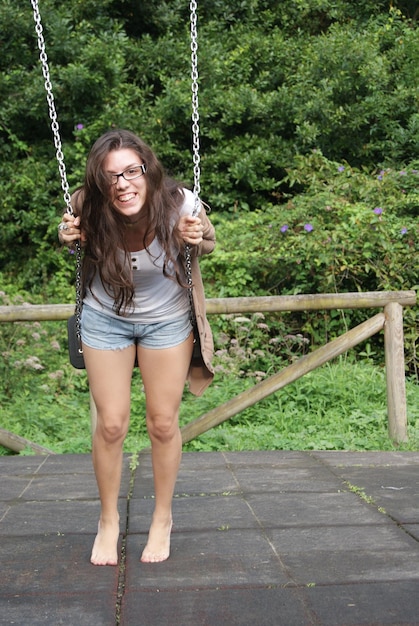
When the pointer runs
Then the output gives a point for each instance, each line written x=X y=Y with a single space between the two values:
x=129 y=174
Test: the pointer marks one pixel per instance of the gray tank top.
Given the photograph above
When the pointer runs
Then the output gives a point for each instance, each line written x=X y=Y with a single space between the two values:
x=157 y=298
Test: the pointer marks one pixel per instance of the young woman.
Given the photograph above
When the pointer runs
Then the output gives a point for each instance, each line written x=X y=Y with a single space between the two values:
x=133 y=222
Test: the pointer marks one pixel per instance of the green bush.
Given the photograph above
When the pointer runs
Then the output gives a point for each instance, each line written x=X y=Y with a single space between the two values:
x=345 y=230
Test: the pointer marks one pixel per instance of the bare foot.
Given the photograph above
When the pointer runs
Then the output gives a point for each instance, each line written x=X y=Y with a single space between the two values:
x=158 y=544
x=105 y=547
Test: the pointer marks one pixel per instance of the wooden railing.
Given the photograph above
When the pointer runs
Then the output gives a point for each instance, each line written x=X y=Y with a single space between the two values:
x=390 y=319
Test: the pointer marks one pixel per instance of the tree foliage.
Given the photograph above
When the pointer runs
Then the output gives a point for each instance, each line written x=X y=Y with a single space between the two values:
x=289 y=92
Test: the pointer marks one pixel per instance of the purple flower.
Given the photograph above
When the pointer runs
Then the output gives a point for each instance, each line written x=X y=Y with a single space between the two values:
x=403 y=230
x=79 y=126
x=402 y=173
x=308 y=227
x=378 y=210
x=284 y=228
x=341 y=168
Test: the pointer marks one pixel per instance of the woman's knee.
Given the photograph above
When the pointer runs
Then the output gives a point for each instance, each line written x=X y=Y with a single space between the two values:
x=112 y=430
x=162 y=427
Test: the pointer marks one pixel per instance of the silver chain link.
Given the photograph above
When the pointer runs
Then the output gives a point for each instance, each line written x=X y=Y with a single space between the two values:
x=59 y=153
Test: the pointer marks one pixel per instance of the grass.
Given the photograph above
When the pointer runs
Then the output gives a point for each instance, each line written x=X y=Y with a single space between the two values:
x=341 y=406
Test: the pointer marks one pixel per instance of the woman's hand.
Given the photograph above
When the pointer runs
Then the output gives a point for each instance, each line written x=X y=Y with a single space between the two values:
x=69 y=230
x=190 y=229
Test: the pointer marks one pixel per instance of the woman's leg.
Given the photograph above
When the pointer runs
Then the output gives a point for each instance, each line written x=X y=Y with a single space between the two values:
x=164 y=374
x=109 y=373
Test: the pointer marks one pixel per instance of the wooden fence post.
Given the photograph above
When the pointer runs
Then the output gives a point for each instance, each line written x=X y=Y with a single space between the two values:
x=396 y=385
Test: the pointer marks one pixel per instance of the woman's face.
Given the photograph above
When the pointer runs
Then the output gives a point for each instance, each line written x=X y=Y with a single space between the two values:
x=128 y=196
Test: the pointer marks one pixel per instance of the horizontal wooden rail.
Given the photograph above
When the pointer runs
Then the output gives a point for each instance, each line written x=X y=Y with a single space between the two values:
x=311 y=302
x=36 y=312
x=264 y=304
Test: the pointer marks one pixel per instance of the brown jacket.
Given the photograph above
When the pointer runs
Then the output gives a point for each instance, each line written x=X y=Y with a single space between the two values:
x=201 y=371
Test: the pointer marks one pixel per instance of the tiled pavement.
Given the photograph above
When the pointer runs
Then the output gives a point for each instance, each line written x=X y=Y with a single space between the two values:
x=276 y=538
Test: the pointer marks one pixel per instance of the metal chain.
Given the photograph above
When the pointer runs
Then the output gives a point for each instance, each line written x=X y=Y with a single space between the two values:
x=59 y=153
x=195 y=108
x=195 y=146
x=51 y=104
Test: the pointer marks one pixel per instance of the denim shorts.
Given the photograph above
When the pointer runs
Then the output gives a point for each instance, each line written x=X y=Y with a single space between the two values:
x=103 y=332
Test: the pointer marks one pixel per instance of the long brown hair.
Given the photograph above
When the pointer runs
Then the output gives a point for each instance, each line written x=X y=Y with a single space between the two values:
x=104 y=227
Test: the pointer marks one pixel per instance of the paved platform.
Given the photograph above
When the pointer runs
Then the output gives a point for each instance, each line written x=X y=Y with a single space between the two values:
x=260 y=538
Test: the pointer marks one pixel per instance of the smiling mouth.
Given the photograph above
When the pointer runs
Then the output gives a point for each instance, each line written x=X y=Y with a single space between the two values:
x=126 y=198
